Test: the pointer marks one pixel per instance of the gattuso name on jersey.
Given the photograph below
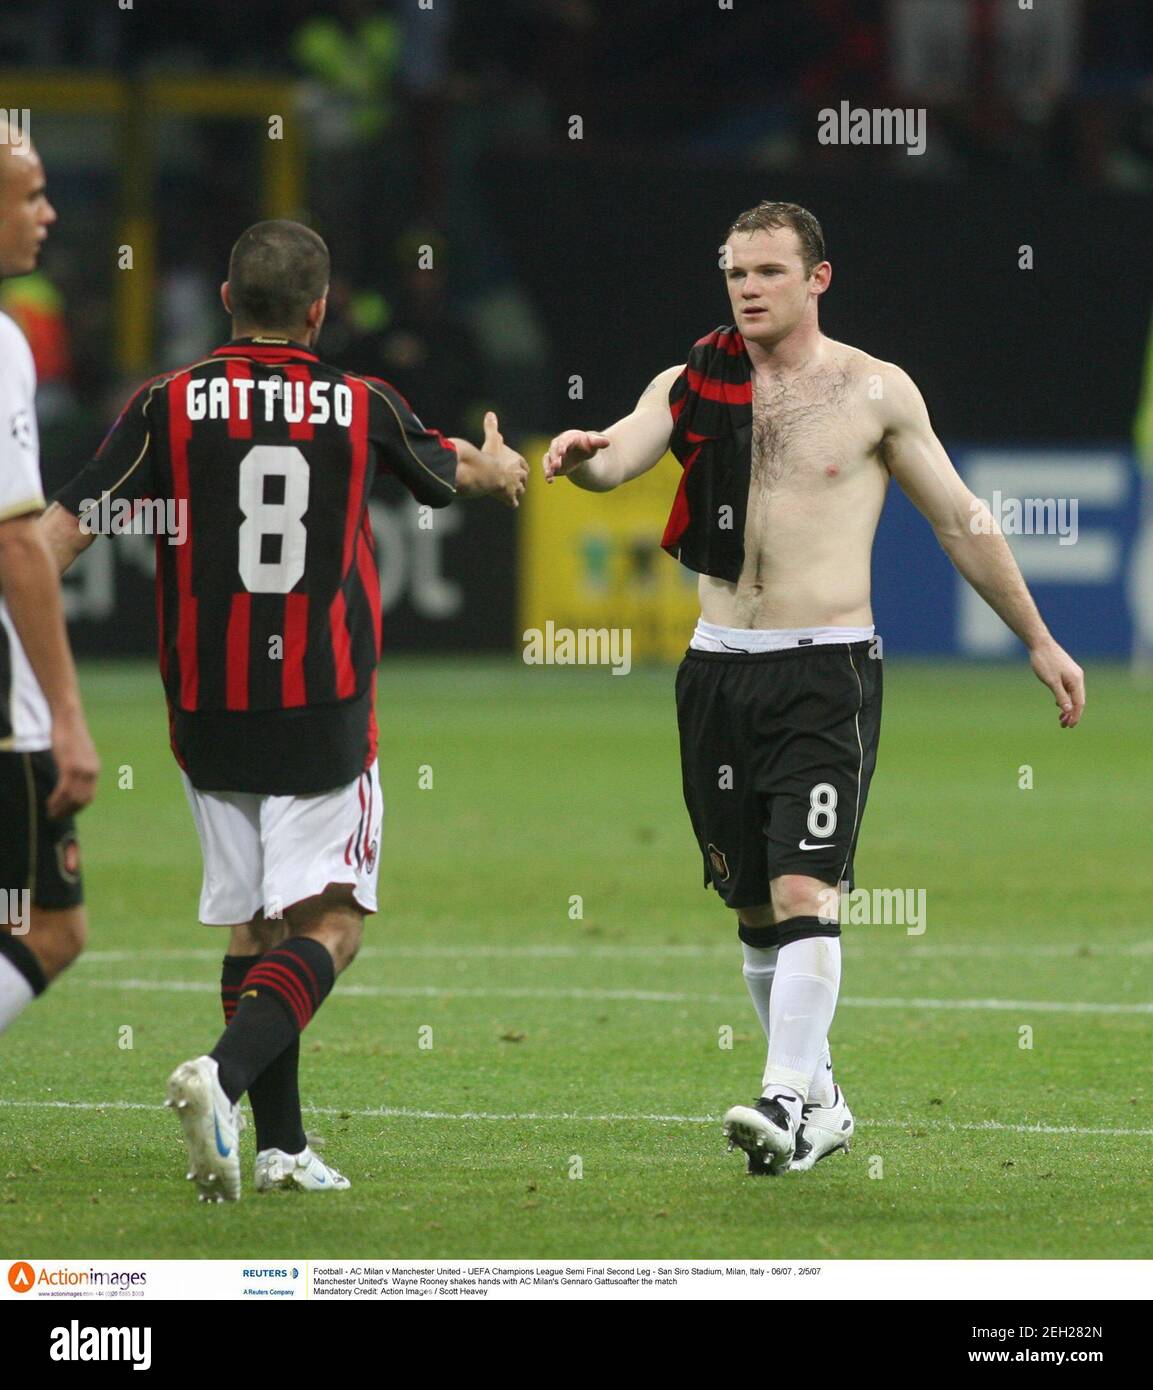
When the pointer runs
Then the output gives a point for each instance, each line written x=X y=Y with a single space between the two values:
x=294 y=402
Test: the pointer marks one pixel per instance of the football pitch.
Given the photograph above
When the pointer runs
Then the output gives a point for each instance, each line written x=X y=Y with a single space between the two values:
x=529 y=1058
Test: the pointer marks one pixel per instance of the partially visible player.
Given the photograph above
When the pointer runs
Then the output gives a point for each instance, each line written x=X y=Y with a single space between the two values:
x=788 y=441
x=48 y=766
x=269 y=615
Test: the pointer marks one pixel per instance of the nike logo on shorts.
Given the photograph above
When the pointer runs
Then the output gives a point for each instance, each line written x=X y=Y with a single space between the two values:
x=824 y=844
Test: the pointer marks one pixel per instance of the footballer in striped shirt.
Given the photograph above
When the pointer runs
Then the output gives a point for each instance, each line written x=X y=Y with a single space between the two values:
x=254 y=467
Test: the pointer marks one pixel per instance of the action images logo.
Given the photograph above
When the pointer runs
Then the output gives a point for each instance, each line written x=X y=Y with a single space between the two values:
x=22 y=1278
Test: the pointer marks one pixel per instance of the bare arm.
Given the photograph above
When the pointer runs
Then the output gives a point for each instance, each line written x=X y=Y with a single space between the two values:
x=492 y=470
x=971 y=538
x=601 y=460
x=31 y=589
x=64 y=535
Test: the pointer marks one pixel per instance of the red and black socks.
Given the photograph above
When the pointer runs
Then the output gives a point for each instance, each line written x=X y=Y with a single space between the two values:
x=275 y=1094
x=277 y=997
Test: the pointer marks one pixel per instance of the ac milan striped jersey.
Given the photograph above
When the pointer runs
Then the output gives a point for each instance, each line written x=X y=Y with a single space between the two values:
x=711 y=403
x=258 y=462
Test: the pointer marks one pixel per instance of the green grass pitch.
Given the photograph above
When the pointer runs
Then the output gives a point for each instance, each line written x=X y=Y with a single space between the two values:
x=591 y=1046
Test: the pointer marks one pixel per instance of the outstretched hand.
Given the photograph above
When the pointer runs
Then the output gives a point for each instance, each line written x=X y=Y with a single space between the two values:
x=512 y=467
x=1054 y=667
x=570 y=449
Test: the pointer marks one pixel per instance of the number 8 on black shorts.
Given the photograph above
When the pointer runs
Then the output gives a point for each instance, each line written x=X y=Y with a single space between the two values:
x=777 y=752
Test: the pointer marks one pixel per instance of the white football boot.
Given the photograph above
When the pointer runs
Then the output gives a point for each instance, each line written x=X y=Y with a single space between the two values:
x=765 y=1132
x=305 y=1171
x=212 y=1126
x=824 y=1130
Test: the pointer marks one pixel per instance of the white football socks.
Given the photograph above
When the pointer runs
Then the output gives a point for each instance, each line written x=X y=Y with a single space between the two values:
x=804 y=998
x=759 y=969
x=15 y=993
x=821 y=1090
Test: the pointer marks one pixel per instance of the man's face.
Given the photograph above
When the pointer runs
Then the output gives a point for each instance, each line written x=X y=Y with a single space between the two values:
x=767 y=284
x=25 y=212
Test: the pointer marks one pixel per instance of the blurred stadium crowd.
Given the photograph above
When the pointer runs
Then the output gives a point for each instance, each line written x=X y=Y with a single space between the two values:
x=402 y=103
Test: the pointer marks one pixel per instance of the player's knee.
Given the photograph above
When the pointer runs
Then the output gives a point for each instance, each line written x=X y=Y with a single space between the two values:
x=797 y=895
x=57 y=938
x=255 y=937
x=267 y=933
x=350 y=939
x=340 y=933
x=756 y=926
x=336 y=920
x=72 y=936
x=761 y=916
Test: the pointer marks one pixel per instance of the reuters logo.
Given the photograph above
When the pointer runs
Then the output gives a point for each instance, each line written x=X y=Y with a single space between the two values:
x=21 y=1276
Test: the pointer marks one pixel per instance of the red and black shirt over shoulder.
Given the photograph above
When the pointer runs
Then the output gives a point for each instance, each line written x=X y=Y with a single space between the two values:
x=258 y=463
x=712 y=439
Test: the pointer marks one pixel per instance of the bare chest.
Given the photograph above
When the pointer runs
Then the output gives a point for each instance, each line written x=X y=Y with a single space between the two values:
x=811 y=430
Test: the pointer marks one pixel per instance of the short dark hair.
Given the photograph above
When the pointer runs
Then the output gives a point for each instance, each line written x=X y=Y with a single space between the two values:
x=276 y=270
x=767 y=215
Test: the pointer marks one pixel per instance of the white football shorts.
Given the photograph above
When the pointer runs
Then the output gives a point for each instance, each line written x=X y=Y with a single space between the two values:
x=269 y=852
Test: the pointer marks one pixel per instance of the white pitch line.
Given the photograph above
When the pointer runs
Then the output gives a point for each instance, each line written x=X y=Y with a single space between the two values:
x=563 y=1117
x=1044 y=1006
x=639 y=996
x=437 y=992
x=912 y=950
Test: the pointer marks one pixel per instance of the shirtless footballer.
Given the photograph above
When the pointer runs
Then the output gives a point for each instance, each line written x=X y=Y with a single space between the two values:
x=788 y=441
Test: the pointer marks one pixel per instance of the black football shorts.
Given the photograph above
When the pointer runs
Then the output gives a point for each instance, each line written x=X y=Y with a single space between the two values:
x=777 y=751
x=36 y=853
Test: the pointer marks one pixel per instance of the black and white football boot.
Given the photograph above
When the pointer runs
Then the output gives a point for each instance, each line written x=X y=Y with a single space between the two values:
x=765 y=1132
x=824 y=1130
